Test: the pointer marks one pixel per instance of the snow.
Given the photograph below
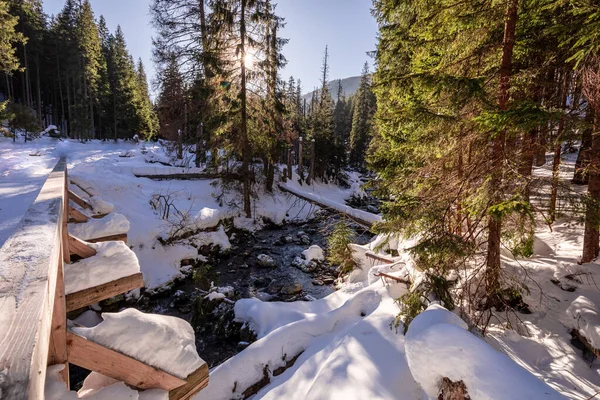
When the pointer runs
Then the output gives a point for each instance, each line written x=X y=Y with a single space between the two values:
x=207 y=218
x=95 y=387
x=327 y=201
x=112 y=224
x=165 y=342
x=100 y=206
x=345 y=355
x=438 y=345
x=582 y=315
x=113 y=260
x=314 y=252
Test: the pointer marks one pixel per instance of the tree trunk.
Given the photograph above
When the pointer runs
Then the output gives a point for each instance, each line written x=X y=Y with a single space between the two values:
x=527 y=155
x=300 y=170
x=199 y=148
x=39 y=91
x=311 y=172
x=591 y=244
x=558 y=150
x=289 y=162
x=244 y=127
x=497 y=146
x=581 y=176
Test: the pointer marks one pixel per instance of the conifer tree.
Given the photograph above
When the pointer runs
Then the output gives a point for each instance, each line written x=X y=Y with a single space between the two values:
x=364 y=108
x=9 y=38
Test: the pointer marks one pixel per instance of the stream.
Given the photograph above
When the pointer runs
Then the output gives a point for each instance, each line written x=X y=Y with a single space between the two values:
x=237 y=273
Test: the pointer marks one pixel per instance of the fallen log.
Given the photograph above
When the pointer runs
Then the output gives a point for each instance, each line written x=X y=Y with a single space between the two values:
x=360 y=221
x=395 y=278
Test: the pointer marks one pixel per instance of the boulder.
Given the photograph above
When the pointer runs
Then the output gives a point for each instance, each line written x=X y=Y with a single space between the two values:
x=266 y=261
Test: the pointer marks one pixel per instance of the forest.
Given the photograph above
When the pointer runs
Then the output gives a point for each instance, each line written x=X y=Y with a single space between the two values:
x=468 y=163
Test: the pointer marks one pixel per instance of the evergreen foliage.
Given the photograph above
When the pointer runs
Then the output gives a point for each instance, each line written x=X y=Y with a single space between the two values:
x=71 y=72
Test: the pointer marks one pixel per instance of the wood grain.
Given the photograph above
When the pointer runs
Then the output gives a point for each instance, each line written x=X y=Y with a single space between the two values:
x=105 y=291
x=78 y=247
x=95 y=357
x=29 y=262
x=79 y=201
x=196 y=381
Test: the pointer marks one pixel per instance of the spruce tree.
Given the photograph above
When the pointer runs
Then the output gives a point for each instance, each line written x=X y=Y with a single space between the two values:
x=364 y=108
x=9 y=38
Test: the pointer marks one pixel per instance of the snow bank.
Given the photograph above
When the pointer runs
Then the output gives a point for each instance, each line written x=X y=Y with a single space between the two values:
x=314 y=252
x=216 y=238
x=438 y=345
x=582 y=315
x=113 y=260
x=112 y=224
x=289 y=340
x=161 y=264
x=164 y=342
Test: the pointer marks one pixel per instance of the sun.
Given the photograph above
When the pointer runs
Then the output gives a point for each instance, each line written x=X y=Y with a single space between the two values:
x=249 y=60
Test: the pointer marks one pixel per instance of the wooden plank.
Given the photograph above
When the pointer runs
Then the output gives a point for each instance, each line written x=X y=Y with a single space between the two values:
x=112 y=238
x=196 y=381
x=95 y=357
x=105 y=291
x=77 y=215
x=79 y=201
x=29 y=262
x=78 y=247
x=58 y=334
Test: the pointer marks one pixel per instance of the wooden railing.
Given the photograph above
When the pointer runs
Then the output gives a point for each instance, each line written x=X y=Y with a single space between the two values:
x=33 y=305
x=32 y=300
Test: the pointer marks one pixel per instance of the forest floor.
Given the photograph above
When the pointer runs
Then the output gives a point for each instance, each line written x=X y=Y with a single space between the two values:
x=319 y=342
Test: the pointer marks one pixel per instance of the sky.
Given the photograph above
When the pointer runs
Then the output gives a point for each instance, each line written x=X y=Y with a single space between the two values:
x=346 y=26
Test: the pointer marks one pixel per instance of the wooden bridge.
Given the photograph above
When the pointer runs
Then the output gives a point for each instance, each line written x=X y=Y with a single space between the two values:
x=34 y=303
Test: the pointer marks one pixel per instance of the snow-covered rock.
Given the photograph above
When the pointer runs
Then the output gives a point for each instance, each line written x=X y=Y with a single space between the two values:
x=207 y=218
x=582 y=315
x=165 y=342
x=314 y=253
x=266 y=261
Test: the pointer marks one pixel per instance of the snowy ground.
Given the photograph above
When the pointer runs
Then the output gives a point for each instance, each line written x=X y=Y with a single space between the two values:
x=345 y=346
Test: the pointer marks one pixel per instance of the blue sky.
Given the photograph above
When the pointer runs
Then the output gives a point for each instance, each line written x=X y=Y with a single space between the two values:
x=345 y=25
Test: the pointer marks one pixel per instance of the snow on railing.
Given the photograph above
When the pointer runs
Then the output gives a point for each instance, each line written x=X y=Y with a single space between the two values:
x=30 y=267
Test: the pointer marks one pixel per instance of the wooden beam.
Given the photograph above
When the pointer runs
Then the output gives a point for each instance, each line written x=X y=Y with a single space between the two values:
x=196 y=381
x=30 y=259
x=77 y=215
x=95 y=357
x=83 y=298
x=112 y=238
x=78 y=247
x=58 y=334
x=79 y=201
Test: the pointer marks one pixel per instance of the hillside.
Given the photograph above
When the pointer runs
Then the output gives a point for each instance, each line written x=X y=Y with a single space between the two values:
x=349 y=87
